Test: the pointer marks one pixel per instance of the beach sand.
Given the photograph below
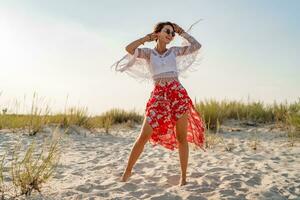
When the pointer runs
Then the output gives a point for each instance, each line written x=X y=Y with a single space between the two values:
x=92 y=164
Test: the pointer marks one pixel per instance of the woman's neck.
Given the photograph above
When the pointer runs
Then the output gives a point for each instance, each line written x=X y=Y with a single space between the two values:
x=160 y=47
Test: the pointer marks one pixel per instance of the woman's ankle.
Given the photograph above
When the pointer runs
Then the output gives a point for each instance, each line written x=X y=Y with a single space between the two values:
x=183 y=177
x=127 y=171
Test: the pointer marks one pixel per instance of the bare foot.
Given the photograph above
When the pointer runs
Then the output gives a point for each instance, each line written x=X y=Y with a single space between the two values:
x=182 y=182
x=125 y=176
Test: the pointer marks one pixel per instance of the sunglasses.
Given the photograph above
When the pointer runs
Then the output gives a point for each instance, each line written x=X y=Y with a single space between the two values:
x=168 y=32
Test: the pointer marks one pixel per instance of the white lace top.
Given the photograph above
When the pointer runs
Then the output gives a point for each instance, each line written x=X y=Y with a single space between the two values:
x=148 y=64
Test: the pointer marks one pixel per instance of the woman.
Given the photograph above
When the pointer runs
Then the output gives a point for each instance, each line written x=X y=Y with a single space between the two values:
x=171 y=119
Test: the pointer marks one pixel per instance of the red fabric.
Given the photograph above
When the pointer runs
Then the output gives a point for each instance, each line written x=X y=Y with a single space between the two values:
x=167 y=103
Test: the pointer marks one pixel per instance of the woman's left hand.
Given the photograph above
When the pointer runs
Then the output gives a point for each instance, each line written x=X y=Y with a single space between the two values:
x=178 y=29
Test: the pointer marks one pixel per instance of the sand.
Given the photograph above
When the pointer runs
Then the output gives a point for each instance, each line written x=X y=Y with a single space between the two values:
x=93 y=162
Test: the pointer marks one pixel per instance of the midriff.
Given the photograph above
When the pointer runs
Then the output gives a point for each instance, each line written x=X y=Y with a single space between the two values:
x=164 y=80
x=165 y=77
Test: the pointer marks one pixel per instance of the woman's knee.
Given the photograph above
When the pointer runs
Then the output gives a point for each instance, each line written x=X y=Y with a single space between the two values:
x=144 y=137
x=181 y=137
x=181 y=128
x=145 y=132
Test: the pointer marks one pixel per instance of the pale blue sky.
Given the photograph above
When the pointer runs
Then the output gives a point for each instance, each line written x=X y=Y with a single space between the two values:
x=60 y=48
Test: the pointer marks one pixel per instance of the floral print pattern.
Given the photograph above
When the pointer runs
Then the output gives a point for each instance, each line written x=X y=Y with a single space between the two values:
x=167 y=103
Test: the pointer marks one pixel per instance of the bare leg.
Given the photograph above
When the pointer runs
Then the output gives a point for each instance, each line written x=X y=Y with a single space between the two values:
x=181 y=134
x=137 y=149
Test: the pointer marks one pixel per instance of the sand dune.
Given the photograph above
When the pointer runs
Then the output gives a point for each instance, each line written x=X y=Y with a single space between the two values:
x=92 y=164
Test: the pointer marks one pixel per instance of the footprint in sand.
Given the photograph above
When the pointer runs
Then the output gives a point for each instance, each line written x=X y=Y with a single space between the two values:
x=227 y=192
x=255 y=180
x=85 y=188
x=173 y=180
x=130 y=186
x=196 y=174
x=167 y=196
x=196 y=197
x=231 y=177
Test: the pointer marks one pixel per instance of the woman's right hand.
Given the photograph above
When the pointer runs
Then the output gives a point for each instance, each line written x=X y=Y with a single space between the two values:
x=151 y=37
x=135 y=44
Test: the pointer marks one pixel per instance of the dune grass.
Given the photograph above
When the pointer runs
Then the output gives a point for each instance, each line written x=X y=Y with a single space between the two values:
x=72 y=116
x=40 y=115
x=29 y=173
x=2 y=185
x=116 y=116
x=32 y=122
x=212 y=111
x=28 y=168
x=293 y=133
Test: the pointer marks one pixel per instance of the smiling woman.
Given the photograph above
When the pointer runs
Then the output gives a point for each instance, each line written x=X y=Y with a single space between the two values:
x=171 y=118
x=137 y=63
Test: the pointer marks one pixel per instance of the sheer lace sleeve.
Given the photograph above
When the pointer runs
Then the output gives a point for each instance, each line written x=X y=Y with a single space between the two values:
x=193 y=46
x=187 y=55
x=136 y=65
x=143 y=53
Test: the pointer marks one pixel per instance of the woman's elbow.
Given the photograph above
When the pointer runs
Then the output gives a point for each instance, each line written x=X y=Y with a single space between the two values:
x=129 y=50
x=198 y=45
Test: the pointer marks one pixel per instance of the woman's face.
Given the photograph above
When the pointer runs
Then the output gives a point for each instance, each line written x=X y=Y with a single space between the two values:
x=164 y=36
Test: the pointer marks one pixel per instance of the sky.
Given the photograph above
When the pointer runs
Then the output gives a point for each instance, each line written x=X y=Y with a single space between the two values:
x=63 y=50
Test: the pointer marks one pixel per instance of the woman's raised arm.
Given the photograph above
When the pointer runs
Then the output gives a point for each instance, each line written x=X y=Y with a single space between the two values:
x=188 y=49
x=132 y=48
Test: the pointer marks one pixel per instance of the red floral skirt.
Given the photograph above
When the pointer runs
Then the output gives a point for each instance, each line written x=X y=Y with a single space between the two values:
x=167 y=103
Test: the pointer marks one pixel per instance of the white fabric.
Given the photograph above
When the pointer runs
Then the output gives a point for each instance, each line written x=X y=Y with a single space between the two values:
x=147 y=64
x=134 y=66
x=162 y=63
